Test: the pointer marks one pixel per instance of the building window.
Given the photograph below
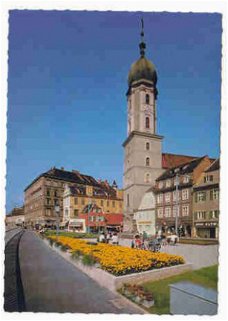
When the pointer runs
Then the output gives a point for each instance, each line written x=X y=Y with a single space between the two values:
x=160 y=184
x=214 y=194
x=147 y=178
x=113 y=204
x=208 y=178
x=147 y=146
x=75 y=213
x=160 y=198
x=147 y=122
x=184 y=194
x=185 y=210
x=56 y=202
x=75 y=201
x=167 y=197
x=186 y=179
x=168 y=183
x=160 y=212
x=108 y=203
x=200 y=215
x=48 y=201
x=167 y=211
x=213 y=214
x=56 y=193
x=48 y=192
x=148 y=161
x=66 y=213
x=83 y=201
x=128 y=200
x=200 y=197
x=102 y=203
x=147 y=99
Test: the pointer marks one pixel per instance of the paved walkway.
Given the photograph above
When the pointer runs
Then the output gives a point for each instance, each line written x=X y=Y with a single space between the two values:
x=10 y=233
x=199 y=255
x=51 y=284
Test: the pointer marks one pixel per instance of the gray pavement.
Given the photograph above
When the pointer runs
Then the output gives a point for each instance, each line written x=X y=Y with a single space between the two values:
x=51 y=284
x=11 y=233
x=199 y=255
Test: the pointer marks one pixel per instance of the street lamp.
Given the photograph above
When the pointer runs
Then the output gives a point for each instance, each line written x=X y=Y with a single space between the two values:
x=57 y=211
x=177 y=202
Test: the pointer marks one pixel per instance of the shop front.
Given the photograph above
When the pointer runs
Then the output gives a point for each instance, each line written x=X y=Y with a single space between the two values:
x=207 y=230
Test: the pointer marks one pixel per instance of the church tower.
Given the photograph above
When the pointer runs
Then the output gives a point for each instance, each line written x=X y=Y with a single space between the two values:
x=143 y=147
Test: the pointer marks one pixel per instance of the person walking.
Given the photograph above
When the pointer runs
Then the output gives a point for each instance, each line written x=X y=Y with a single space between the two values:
x=102 y=238
x=115 y=239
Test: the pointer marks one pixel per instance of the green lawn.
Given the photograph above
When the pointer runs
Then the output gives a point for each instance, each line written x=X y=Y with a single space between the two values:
x=207 y=277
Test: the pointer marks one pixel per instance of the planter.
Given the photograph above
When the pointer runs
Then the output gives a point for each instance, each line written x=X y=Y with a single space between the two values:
x=112 y=282
x=147 y=304
x=138 y=299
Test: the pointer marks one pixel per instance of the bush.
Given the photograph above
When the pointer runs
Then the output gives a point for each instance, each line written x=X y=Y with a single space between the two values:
x=57 y=243
x=51 y=242
x=76 y=255
x=88 y=260
x=64 y=248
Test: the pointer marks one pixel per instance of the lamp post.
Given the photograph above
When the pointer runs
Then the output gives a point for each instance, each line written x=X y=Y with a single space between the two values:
x=177 y=203
x=57 y=211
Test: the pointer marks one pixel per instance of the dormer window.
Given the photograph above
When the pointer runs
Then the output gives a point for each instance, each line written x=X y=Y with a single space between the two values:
x=186 y=179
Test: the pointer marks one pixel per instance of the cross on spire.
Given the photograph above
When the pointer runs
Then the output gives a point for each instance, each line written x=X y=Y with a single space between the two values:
x=142 y=45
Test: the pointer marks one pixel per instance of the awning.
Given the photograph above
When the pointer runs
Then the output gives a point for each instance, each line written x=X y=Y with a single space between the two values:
x=76 y=224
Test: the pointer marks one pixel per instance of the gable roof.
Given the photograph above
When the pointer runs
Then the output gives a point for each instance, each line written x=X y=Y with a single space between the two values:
x=182 y=169
x=72 y=177
x=173 y=160
x=214 y=166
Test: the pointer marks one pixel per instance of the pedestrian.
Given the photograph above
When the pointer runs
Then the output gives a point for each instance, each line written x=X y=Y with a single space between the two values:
x=138 y=242
x=115 y=239
x=102 y=238
x=108 y=237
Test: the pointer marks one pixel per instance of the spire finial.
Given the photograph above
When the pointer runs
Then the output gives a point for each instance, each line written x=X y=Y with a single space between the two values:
x=142 y=45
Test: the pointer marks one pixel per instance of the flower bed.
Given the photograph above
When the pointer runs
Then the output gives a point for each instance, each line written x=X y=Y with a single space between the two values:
x=137 y=294
x=119 y=260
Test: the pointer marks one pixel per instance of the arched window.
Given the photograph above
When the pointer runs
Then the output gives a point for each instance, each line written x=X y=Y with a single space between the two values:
x=147 y=146
x=147 y=178
x=148 y=161
x=147 y=122
x=147 y=99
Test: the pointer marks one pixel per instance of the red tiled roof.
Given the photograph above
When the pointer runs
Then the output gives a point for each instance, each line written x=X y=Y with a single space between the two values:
x=114 y=219
x=174 y=160
x=110 y=218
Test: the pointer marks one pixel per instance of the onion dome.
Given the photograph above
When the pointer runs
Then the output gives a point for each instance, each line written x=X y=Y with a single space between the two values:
x=142 y=69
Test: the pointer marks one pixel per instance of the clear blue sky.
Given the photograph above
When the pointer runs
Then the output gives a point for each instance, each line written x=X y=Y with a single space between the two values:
x=68 y=79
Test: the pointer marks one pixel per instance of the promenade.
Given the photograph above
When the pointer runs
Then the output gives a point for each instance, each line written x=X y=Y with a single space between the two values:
x=199 y=255
x=51 y=284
